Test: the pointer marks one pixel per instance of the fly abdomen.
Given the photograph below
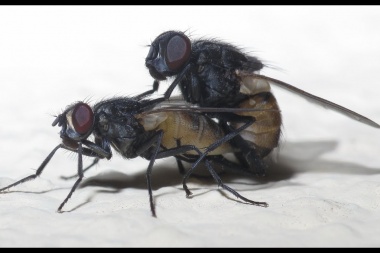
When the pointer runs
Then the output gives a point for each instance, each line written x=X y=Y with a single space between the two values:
x=192 y=129
x=264 y=133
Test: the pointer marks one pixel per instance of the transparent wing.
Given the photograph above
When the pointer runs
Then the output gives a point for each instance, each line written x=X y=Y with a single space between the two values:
x=178 y=104
x=315 y=99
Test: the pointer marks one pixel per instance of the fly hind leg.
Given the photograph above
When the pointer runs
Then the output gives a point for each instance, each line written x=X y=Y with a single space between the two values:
x=248 y=156
x=189 y=159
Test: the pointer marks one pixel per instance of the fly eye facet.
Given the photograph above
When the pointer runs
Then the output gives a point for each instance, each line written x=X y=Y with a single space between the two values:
x=177 y=52
x=82 y=118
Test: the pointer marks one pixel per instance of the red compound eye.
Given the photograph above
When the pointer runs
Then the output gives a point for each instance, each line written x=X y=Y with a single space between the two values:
x=177 y=52
x=82 y=118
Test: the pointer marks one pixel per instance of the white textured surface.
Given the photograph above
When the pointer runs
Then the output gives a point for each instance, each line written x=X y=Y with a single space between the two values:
x=323 y=191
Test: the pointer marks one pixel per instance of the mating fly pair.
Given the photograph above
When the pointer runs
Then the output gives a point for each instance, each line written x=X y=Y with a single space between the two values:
x=220 y=80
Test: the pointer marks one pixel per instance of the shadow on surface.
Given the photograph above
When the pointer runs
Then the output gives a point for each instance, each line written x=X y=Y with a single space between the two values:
x=294 y=158
x=291 y=159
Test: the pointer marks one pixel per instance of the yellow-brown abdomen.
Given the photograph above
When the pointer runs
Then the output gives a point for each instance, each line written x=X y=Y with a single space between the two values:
x=265 y=132
x=192 y=129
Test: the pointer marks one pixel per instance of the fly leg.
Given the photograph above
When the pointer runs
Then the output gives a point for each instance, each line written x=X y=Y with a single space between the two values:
x=149 y=92
x=214 y=174
x=38 y=172
x=80 y=174
x=187 y=159
x=226 y=187
x=248 y=155
x=94 y=162
x=149 y=171
x=93 y=151
x=40 y=168
x=181 y=150
x=170 y=90
x=180 y=166
x=210 y=148
x=100 y=149
x=227 y=165
x=155 y=142
x=231 y=135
